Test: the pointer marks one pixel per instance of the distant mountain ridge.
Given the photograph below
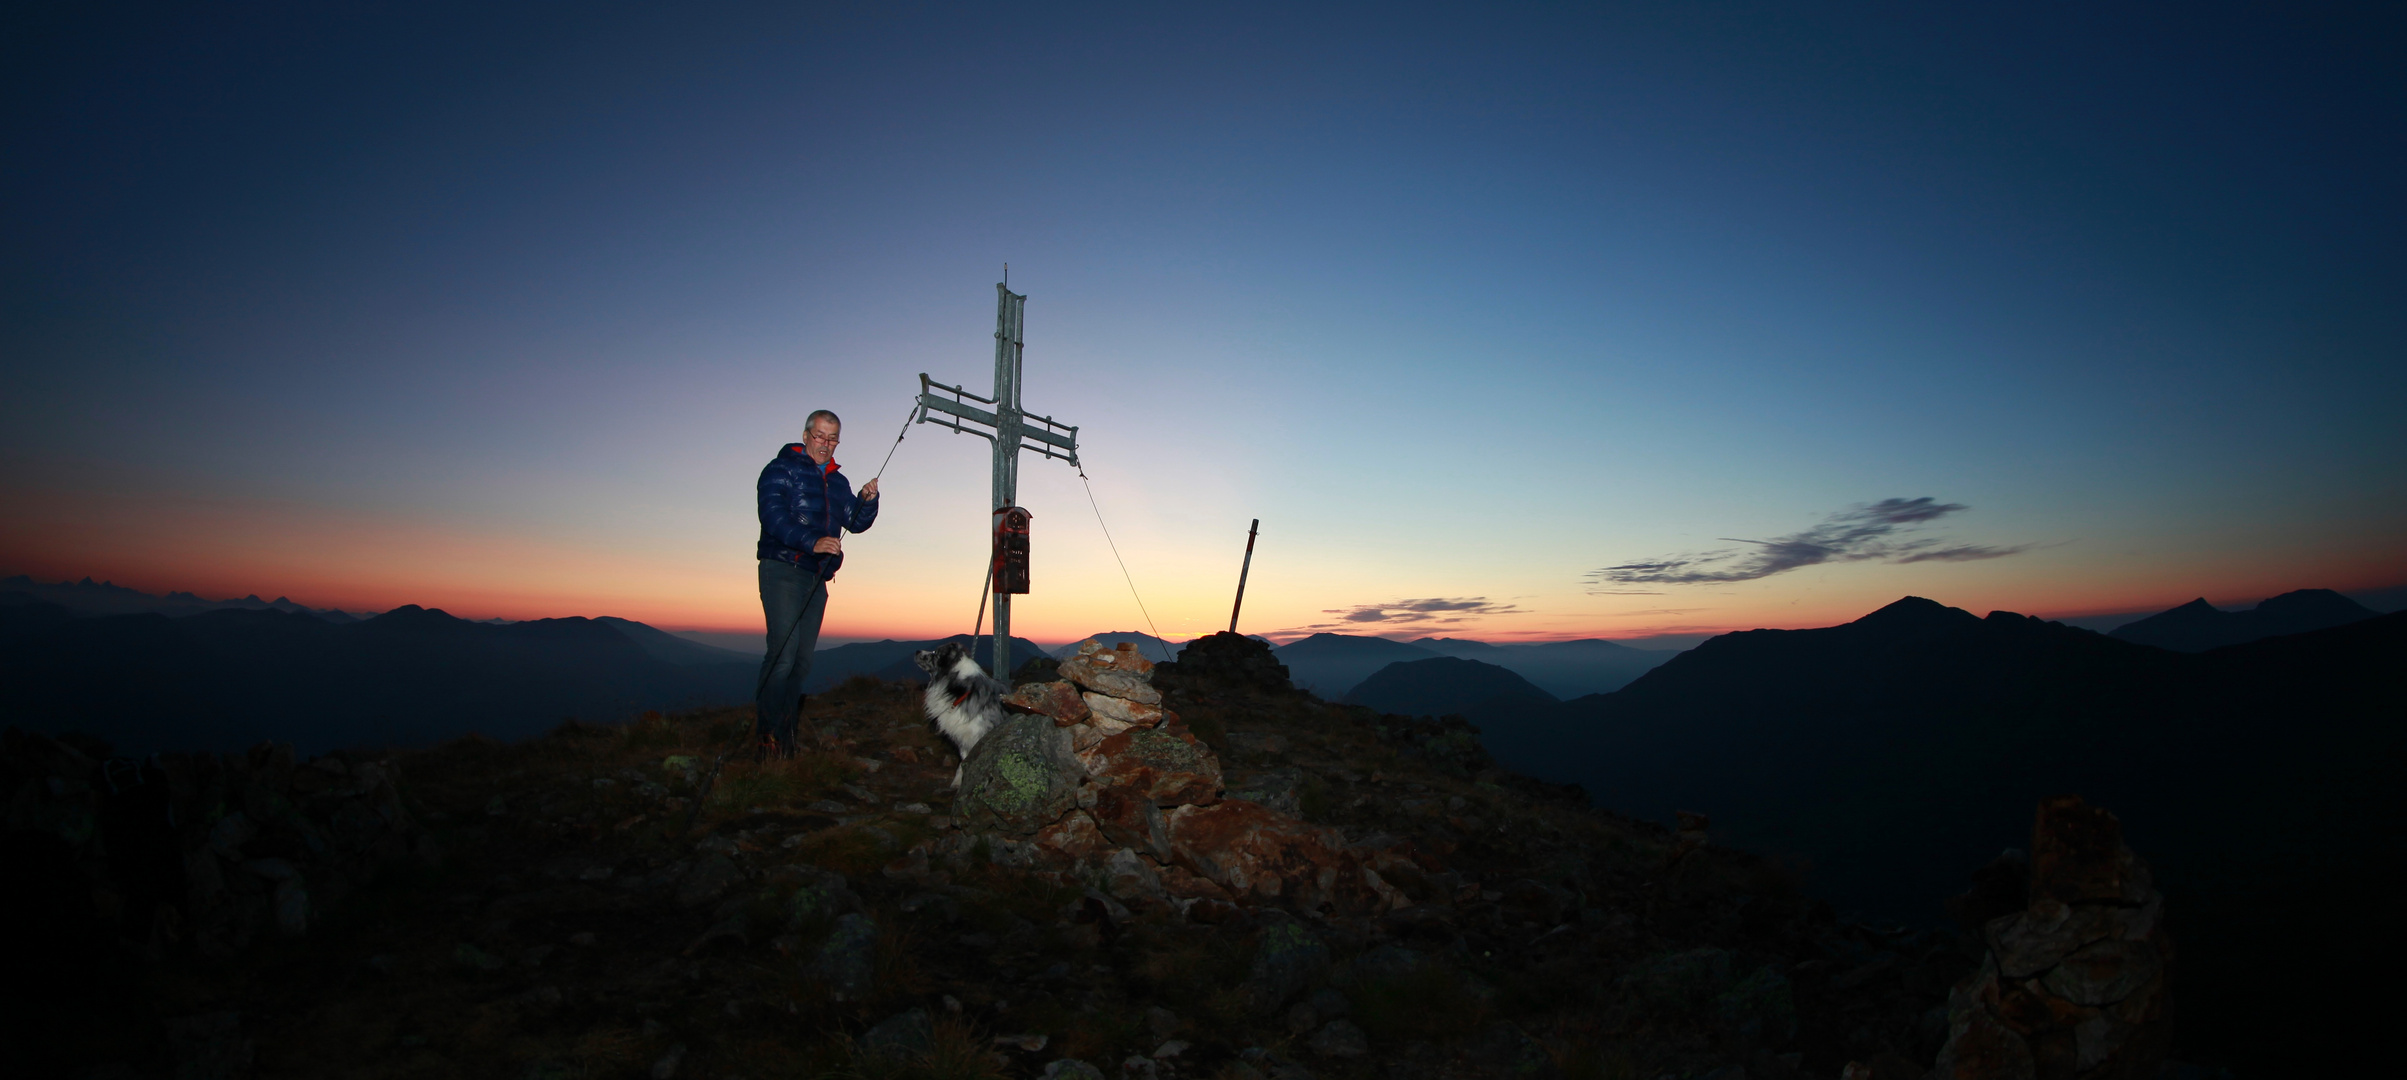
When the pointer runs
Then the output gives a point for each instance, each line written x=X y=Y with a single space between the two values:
x=1565 y=669
x=88 y=597
x=222 y=677
x=2198 y=626
x=227 y=678
x=1154 y=648
x=1332 y=665
x=892 y=659
x=1445 y=685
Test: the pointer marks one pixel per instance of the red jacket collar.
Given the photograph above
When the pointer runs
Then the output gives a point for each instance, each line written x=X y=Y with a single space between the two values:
x=806 y=456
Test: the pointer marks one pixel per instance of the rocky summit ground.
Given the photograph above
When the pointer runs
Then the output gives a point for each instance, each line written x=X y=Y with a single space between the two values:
x=580 y=907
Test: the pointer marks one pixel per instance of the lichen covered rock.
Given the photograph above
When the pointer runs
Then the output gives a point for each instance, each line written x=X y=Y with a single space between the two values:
x=1020 y=778
x=1288 y=959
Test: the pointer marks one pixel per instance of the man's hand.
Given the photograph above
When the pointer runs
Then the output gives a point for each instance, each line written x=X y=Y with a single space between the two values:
x=829 y=545
x=870 y=490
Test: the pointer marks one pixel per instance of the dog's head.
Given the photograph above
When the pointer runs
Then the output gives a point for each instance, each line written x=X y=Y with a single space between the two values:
x=939 y=660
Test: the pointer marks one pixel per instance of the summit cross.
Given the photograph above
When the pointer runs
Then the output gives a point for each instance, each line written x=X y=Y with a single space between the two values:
x=1011 y=429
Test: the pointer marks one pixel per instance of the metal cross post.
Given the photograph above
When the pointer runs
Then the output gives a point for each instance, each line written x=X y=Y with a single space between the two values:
x=1009 y=428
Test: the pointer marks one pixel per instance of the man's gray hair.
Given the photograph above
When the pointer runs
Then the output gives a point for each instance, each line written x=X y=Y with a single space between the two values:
x=822 y=414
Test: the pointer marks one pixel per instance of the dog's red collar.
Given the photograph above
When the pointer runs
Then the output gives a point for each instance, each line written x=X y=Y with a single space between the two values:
x=964 y=697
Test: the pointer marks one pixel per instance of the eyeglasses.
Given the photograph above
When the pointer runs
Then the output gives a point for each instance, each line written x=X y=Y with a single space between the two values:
x=828 y=439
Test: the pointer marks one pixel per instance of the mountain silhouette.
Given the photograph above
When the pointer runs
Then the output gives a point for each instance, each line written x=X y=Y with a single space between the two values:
x=2198 y=626
x=1331 y=664
x=1154 y=648
x=89 y=597
x=228 y=678
x=1565 y=669
x=1445 y=685
x=670 y=648
x=892 y=659
x=1895 y=751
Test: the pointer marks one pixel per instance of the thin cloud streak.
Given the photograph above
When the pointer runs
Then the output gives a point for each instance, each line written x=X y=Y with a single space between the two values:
x=1416 y=614
x=1871 y=533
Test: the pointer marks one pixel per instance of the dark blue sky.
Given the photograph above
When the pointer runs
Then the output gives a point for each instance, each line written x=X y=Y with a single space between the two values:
x=502 y=309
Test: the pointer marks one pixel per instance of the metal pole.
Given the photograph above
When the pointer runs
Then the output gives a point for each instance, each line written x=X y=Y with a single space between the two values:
x=1010 y=309
x=1248 y=568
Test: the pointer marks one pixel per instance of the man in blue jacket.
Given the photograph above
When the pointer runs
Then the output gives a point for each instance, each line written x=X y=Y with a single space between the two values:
x=805 y=507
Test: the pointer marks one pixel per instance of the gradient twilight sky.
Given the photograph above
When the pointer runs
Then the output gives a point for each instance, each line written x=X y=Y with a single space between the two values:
x=501 y=308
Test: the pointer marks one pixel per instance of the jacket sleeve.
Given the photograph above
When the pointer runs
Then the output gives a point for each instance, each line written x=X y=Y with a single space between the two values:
x=778 y=519
x=864 y=514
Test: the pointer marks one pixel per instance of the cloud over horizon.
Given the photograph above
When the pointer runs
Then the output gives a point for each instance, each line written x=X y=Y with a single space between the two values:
x=1414 y=614
x=1869 y=533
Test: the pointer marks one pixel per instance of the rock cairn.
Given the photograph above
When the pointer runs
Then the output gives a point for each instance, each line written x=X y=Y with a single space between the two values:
x=1090 y=777
x=2074 y=984
x=204 y=851
x=1228 y=659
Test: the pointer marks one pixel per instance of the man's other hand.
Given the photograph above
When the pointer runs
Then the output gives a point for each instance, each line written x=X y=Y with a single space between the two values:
x=870 y=489
x=829 y=545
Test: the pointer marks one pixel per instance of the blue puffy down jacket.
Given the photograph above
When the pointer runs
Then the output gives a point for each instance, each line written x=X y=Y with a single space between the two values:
x=802 y=502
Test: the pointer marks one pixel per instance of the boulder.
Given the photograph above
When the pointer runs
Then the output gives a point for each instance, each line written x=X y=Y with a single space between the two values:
x=1761 y=1007
x=818 y=894
x=1226 y=661
x=847 y=962
x=1074 y=838
x=1171 y=768
x=1288 y=959
x=1129 y=818
x=1086 y=736
x=2029 y=942
x=1339 y=1039
x=1129 y=877
x=1185 y=884
x=1020 y=778
x=1252 y=851
x=2077 y=856
x=905 y=1035
x=1677 y=982
x=1124 y=714
x=1280 y=789
x=2075 y=982
x=1385 y=963
x=709 y=880
x=1120 y=672
x=1059 y=700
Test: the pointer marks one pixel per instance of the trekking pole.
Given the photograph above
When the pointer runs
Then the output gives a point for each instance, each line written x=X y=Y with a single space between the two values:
x=1242 y=571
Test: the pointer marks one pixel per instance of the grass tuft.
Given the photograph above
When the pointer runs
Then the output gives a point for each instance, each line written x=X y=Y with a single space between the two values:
x=607 y=1051
x=745 y=786
x=955 y=1052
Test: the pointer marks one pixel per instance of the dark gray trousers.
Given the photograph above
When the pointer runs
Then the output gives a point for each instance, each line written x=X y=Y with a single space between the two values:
x=794 y=600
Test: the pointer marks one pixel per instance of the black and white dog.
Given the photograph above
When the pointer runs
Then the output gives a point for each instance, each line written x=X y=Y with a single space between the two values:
x=965 y=702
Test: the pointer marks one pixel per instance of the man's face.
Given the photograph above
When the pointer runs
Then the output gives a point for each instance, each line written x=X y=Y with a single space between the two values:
x=820 y=441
